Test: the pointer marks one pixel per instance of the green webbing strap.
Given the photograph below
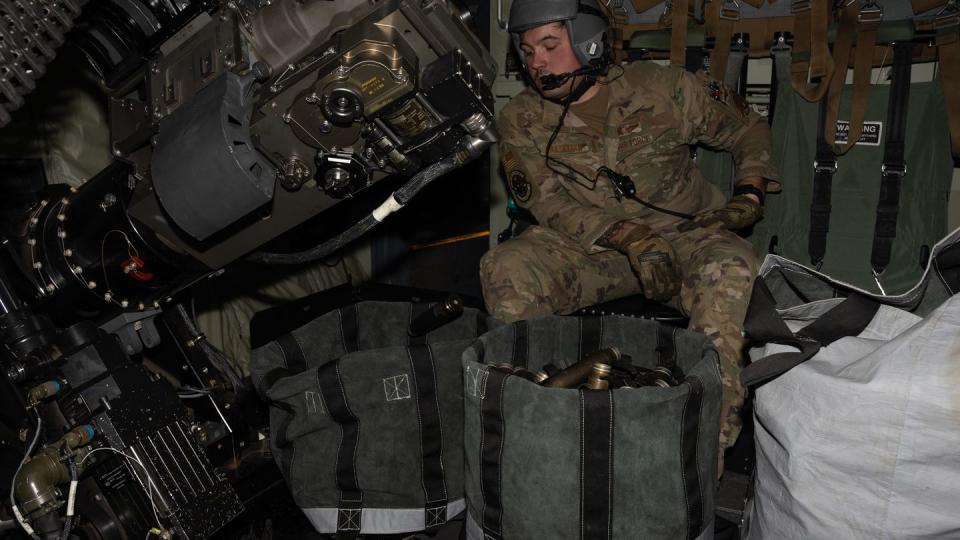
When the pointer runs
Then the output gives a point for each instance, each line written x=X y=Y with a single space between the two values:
x=781 y=53
x=894 y=165
x=739 y=49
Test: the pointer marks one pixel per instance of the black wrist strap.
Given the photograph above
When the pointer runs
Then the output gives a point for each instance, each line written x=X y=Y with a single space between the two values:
x=746 y=189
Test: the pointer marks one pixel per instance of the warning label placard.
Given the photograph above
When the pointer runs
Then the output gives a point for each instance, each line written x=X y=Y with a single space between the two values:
x=870 y=137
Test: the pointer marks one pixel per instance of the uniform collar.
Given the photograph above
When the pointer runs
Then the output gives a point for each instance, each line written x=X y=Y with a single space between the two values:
x=627 y=95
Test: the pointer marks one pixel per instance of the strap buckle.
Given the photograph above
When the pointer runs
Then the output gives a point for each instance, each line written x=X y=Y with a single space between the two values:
x=781 y=42
x=829 y=166
x=948 y=16
x=730 y=11
x=951 y=8
x=876 y=279
x=870 y=13
x=894 y=169
x=740 y=42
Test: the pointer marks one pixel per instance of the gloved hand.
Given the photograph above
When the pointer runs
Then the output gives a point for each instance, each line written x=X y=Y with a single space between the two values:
x=741 y=211
x=654 y=262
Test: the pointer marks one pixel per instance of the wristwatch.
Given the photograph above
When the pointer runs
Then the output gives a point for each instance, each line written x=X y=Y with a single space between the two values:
x=747 y=189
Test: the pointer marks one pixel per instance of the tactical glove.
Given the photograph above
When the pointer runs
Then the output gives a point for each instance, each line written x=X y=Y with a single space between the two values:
x=741 y=211
x=654 y=262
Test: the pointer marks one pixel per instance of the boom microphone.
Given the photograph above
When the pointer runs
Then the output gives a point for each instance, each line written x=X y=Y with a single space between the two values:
x=552 y=82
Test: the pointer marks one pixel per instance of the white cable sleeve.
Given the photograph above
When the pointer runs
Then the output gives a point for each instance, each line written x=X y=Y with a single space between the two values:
x=26 y=526
x=388 y=207
x=71 y=498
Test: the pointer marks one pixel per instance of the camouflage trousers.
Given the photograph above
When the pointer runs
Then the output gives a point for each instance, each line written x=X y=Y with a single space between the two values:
x=542 y=272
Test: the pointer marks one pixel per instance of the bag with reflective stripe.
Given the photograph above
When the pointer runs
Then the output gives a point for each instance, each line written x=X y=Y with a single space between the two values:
x=365 y=420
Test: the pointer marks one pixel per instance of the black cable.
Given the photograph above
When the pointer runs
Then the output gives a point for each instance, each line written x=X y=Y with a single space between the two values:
x=26 y=457
x=215 y=356
x=663 y=210
x=68 y=521
x=401 y=196
x=621 y=183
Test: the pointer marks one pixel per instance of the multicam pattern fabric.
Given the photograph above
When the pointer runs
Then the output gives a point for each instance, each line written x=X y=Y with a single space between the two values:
x=741 y=211
x=543 y=271
x=655 y=114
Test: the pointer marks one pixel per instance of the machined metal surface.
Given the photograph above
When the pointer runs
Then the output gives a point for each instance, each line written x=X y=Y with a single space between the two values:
x=30 y=33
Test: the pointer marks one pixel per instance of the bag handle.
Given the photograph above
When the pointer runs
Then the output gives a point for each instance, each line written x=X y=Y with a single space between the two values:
x=764 y=325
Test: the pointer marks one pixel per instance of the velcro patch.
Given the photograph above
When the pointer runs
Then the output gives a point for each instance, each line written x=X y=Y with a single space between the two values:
x=726 y=95
x=519 y=185
x=509 y=161
x=574 y=148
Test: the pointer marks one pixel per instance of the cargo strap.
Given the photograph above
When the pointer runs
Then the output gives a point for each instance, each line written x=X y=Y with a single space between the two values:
x=521 y=343
x=780 y=74
x=424 y=386
x=764 y=325
x=350 y=506
x=293 y=362
x=596 y=458
x=349 y=328
x=692 y=486
x=739 y=49
x=591 y=335
x=643 y=5
x=812 y=64
x=824 y=167
x=491 y=448
x=678 y=32
x=431 y=435
x=947 y=27
x=721 y=16
x=729 y=52
x=666 y=345
x=947 y=267
x=894 y=167
x=864 y=21
x=293 y=358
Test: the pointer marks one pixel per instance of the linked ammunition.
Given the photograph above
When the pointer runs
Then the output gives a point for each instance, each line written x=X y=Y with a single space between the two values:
x=576 y=374
x=526 y=374
x=598 y=377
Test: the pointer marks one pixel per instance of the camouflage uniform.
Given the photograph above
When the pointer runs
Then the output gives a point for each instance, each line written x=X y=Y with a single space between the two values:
x=654 y=114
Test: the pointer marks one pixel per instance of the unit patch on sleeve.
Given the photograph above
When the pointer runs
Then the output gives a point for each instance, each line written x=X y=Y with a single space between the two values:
x=519 y=185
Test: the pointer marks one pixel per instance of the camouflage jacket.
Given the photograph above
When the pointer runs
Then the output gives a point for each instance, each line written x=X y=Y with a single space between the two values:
x=655 y=113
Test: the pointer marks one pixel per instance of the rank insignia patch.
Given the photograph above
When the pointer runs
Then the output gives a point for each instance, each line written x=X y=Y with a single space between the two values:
x=520 y=186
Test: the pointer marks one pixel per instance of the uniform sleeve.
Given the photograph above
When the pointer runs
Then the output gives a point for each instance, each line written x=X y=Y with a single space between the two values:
x=542 y=191
x=715 y=115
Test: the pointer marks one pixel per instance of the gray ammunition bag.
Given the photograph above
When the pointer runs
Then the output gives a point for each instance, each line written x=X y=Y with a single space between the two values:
x=578 y=463
x=366 y=422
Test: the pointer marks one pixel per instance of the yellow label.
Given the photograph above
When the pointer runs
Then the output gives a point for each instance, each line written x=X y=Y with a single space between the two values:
x=372 y=85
